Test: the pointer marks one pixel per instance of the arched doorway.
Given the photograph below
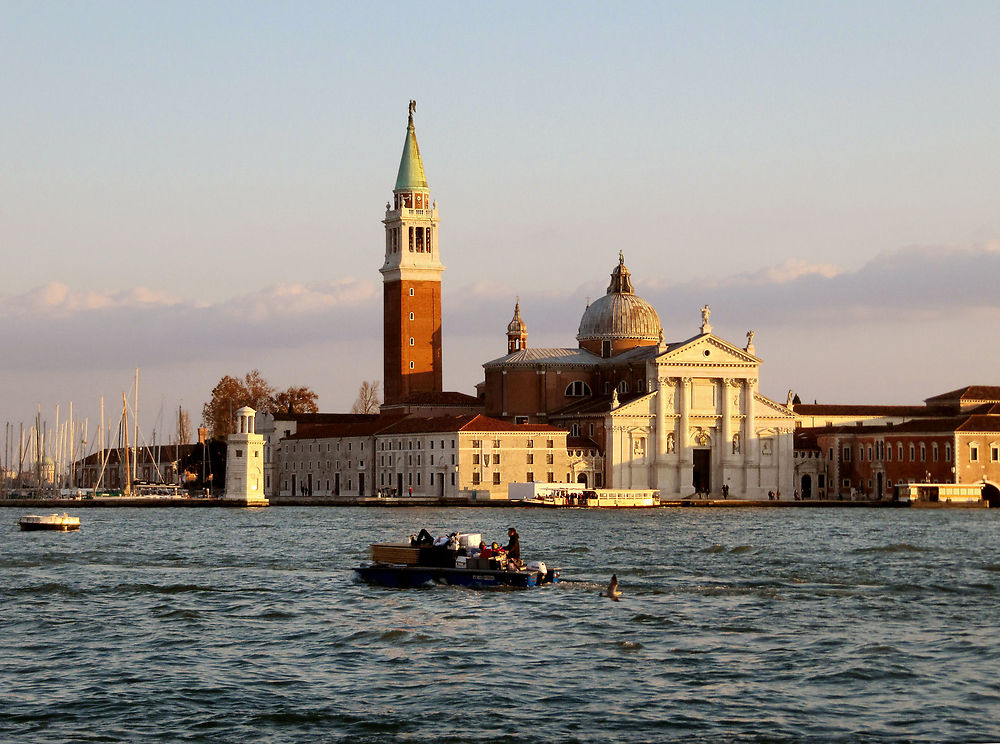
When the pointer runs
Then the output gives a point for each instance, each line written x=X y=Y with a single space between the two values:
x=807 y=485
x=582 y=478
x=991 y=495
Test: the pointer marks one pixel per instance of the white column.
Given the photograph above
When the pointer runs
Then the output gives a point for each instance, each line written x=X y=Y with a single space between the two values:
x=661 y=420
x=727 y=421
x=685 y=460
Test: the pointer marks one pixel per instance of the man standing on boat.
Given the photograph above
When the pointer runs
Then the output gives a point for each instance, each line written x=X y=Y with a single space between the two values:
x=513 y=546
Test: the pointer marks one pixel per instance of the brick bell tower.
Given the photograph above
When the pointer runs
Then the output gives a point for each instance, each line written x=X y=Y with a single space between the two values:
x=411 y=276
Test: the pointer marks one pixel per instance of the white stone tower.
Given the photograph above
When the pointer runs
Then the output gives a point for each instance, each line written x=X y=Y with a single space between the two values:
x=245 y=462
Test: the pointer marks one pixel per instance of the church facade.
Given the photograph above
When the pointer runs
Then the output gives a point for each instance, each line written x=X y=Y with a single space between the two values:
x=684 y=417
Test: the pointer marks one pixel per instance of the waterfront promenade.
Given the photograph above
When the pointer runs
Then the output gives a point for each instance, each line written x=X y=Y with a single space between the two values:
x=415 y=501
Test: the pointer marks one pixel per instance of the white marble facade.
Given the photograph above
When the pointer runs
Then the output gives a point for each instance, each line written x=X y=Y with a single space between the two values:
x=703 y=427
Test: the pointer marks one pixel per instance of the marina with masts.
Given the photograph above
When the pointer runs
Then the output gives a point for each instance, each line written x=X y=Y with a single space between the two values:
x=59 y=461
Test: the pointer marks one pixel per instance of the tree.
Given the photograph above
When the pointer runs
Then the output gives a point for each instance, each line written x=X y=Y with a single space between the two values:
x=232 y=393
x=183 y=426
x=295 y=400
x=368 y=400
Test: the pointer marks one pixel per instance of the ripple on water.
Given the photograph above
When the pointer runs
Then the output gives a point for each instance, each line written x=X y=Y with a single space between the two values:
x=258 y=638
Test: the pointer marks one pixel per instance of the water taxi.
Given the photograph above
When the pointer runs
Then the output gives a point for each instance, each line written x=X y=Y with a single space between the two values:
x=57 y=522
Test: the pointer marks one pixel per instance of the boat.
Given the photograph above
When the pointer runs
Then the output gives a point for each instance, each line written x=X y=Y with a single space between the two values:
x=407 y=565
x=56 y=522
x=597 y=498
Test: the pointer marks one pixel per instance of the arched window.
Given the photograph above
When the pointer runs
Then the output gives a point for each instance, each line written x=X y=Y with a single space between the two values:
x=577 y=389
x=623 y=386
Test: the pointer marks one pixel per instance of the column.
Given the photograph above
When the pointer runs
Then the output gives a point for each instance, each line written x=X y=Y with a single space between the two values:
x=685 y=462
x=750 y=481
x=661 y=420
x=727 y=421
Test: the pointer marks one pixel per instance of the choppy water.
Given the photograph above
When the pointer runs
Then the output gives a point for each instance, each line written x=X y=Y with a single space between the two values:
x=219 y=625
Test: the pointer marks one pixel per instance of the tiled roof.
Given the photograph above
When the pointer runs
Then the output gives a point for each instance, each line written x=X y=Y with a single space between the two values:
x=823 y=409
x=531 y=357
x=390 y=424
x=444 y=398
x=980 y=423
x=970 y=392
x=595 y=404
x=581 y=443
x=364 y=428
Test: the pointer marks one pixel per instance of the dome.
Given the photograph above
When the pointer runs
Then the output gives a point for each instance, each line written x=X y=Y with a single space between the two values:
x=620 y=314
x=517 y=325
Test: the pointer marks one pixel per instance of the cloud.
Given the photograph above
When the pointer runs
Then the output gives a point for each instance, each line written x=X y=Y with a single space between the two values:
x=55 y=326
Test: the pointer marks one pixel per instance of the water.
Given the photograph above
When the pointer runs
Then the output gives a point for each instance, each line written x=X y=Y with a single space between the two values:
x=229 y=625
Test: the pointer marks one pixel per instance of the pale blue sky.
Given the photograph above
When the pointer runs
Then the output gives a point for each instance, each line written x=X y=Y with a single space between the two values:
x=208 y=151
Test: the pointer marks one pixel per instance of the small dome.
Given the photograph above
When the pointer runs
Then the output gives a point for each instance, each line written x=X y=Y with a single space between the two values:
x=517 y=325
x=620 y=314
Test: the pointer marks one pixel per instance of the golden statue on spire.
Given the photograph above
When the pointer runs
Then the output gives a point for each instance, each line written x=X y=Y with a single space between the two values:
x=413 y=107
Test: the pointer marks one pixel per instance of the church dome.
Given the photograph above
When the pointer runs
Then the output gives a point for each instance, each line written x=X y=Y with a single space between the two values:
x=620 y=314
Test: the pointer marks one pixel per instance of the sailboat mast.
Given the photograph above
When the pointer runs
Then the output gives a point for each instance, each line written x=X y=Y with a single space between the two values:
x=135 y=426
x=127 y=491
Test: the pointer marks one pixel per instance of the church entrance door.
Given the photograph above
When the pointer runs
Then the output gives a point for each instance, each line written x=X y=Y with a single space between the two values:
x=702 y=471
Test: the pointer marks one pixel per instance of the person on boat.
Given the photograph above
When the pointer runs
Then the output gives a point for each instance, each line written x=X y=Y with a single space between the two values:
x=424 y=538
x=513 y=548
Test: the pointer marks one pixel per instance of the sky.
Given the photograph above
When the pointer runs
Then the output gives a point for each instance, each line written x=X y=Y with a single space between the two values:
x=195 y=189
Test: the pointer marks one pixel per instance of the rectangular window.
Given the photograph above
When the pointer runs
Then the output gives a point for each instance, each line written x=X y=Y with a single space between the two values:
x=530 y=444
x=923 y=452
x=239 y=453
x=947 y=453
x=477 y=443
x=549 y=458
x=530 y=459
x=551 y=477
x=847 y=482
x=496 y=458
x=531 y=477
x=888 y=453
x=496 y=478
x=496 y=444
x=550 y=443
x=934 y=451
x=869 y=454
x=974 y=454
x=913 y=453
x=475 y=479
x=475 y=458
x=899 y=451
x=847 y=454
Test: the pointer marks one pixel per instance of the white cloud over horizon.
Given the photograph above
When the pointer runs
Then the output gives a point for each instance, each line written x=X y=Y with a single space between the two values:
x=819 y=328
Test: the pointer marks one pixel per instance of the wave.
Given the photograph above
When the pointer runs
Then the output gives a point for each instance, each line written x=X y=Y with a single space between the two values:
x=893 y=548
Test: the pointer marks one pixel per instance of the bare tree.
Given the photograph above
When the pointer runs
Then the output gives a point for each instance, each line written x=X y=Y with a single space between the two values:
x=368 y=398
x=183 y=426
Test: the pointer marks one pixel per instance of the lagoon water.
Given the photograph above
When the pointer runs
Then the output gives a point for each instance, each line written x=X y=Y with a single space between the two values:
x=230 y=625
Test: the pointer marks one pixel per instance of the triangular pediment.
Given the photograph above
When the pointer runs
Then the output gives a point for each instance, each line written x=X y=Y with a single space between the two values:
x=639 y=407
x=719 y=353
x=777 y=408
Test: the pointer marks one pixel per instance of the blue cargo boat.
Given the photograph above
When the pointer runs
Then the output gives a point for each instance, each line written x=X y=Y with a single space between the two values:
x=404 y=566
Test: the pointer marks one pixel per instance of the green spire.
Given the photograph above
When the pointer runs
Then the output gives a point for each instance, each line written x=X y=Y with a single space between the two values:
x=411 y=167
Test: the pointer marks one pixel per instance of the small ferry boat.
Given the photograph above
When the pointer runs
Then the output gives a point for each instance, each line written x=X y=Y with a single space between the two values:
x=597 y=498
x=57 y=522
x=405 y=565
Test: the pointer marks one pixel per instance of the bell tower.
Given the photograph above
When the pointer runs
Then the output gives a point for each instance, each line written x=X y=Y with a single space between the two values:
x=517 y=331
x=411 y=281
